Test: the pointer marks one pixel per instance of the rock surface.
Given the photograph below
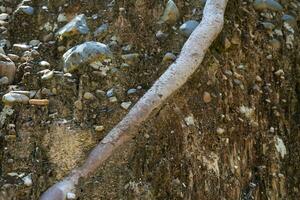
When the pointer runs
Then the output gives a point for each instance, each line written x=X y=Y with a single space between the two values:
x=85 y=53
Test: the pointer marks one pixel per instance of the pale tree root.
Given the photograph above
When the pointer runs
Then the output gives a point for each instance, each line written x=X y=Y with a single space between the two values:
x=175 y=76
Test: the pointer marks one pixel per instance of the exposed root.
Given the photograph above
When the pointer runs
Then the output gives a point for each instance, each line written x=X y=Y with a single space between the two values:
x=176 y=75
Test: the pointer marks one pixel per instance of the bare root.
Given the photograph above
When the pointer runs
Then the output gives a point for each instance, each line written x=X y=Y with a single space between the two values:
x=176 y=75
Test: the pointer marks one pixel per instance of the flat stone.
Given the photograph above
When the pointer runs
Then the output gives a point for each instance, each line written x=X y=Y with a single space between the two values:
x=267 y=5
x=12 y=98
x=76 y=26
x=4 y=16
x=7 y=67
x=126 y=105
x=85 y=53
x=188 y=27
x=131 y=91
x=171 y=13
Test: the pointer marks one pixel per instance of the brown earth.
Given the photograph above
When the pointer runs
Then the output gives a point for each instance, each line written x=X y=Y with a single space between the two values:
x=229 y=147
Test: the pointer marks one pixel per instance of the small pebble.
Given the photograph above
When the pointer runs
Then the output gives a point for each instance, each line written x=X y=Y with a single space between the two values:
x=44 y=64
x=71 y=195
x=113 y=99
x=88 y=96
x=78 y=104
x=220 y=130
x=27 y=180
x=110 y=92
x=171 y=13
x=126 y=105
x=207 y=97
x=131 y=91
x=99 y=128
x=169 y=57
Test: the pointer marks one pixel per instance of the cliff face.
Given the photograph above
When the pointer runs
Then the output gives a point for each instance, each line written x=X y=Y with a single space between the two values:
x=232 y=131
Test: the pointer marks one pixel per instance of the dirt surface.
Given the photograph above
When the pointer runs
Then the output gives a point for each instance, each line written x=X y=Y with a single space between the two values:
x=232 y=131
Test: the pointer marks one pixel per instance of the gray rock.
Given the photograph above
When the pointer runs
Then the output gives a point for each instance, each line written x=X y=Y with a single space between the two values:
x=188 y=27
x=76 y=26
x=4 y=16
x=267 y=5
x=12 y=98
x=7 y=67
x=28 y=10
x=171 y=13
x=102 y=31
x=131 y=91
x=87 y=52
x=4 y=80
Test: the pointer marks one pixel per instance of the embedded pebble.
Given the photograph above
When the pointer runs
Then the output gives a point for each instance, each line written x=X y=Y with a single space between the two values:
x=131 y=59
x=12 y=98
x=27 y=180
x=290 y=20
x=207 y=97
x=77 y=26
x=87 y=52
x=44 y=64
x=7 y=67
x=48 y=75
x=113 y=99
x=110 y=92
x=78 y=105
x=99 y=128
x=4 y=16
x=4 y=80
x=62 y=18
x=275 y=44
x=220 y=130
x=88 y=96
x=171 y=13
x=13 y=57
x=34 y=42
x=267 y=5
x=190 y=120
x=102 y=31
x=126 y=105
x=28 y=10
x=71 y=195
x=268 y=25
x=161 y=35
x=131 y=91
x=279 y=72
x=188 y=27
x=169 y=57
